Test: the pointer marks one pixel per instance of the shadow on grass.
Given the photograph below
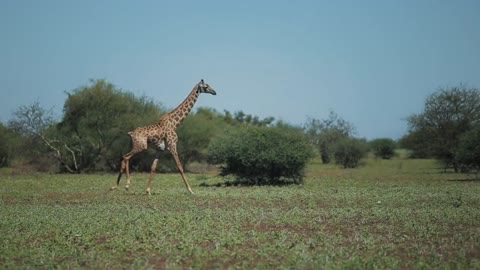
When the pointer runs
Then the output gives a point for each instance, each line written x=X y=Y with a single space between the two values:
x=238 y=183
x=465 y=180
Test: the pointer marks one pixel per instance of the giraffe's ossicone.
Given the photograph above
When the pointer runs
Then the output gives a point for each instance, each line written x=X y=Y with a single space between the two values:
x=163 y=136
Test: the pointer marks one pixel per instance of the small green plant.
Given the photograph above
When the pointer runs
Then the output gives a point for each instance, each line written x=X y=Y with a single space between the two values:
x=457 y=201
x=262 y=155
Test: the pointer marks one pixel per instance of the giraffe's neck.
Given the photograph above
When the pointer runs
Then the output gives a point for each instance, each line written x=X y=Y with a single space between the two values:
x=181 y=111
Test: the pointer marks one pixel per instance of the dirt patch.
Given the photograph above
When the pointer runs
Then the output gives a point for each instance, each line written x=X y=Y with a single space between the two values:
x=305 y=230
x=101 y=239
x=157 y=262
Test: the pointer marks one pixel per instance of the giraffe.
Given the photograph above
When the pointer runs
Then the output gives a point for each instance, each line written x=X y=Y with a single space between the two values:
x=163 y=135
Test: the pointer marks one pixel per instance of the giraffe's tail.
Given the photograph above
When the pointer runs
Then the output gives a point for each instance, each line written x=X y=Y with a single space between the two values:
x=119 y=177
x=122 y=168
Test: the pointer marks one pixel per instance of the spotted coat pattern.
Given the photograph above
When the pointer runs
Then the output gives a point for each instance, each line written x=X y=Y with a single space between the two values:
x=163 y=135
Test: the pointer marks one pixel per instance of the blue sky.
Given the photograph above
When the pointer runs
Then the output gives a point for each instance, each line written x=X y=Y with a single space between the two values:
x=372 y=62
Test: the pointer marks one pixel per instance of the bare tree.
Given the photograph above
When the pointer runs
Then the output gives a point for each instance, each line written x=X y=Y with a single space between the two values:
x=34 y=121
x=325 y=133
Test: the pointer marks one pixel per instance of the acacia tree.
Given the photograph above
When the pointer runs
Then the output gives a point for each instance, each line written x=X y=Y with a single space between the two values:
x=448 y=114
x=325 y=133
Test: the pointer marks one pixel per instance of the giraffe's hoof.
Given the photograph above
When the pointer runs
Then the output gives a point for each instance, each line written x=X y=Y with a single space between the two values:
x=114 y=188
x=127 y=187
x=147 y=192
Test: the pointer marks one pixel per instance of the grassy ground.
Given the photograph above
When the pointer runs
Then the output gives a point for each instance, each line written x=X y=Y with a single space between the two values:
x=387 y=214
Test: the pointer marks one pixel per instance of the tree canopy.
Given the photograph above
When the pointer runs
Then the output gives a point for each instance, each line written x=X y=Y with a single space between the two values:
x=447 y=115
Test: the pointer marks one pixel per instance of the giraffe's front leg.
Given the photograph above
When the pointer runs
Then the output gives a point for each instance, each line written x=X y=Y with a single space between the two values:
x=173 y=151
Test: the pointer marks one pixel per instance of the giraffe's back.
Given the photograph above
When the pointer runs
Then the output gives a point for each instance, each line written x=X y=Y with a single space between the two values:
x=149 y=132
x=153 y=134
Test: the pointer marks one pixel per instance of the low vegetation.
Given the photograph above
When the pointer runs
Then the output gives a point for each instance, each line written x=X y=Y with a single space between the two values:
x=392 y=212
x=388 y=214
x=349 y=152
x=383 y=148
x=262 y=156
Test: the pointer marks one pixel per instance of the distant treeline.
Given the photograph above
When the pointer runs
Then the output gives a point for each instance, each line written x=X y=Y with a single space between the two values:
x=91 y=135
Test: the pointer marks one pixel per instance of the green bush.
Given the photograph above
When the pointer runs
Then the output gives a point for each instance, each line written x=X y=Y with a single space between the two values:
x=349 y=151
x=8 y=141
x=468 y=151
x=96 y=120
x=383 y=148
x=262 y=155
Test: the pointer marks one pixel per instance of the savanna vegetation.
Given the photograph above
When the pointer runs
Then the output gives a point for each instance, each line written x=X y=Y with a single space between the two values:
x=449 y=115
x=261 y=155
x=396 y=213
x=91 y=135
x=268 y=194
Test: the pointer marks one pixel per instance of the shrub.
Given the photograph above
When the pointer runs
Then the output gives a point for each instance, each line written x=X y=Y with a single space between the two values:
x=349 y=151
x=383 y=148
x=468 y=152
x=8 y=143
x=324 y=134
x=262 y=156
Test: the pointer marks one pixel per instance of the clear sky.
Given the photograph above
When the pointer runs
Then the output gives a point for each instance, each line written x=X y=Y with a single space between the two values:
x=372 y=62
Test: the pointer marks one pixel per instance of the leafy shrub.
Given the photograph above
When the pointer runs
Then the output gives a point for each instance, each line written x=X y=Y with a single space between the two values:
x=262 y=156
x=8 y=142
x=349 y=151
x=383 y=148
x=468 y=151
x=96 y=120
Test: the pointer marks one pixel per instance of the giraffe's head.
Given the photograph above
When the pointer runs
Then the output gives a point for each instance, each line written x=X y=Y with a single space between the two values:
x=205 y=88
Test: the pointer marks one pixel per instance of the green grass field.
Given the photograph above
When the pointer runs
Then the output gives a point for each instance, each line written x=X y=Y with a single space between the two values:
x=388 y=214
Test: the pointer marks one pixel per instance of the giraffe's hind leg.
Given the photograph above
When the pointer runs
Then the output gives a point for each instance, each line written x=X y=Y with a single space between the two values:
x=124 y=167
x=122 y=170
x=152 y=172
x=127 y=165
x=139 y=144
x=161 y=147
